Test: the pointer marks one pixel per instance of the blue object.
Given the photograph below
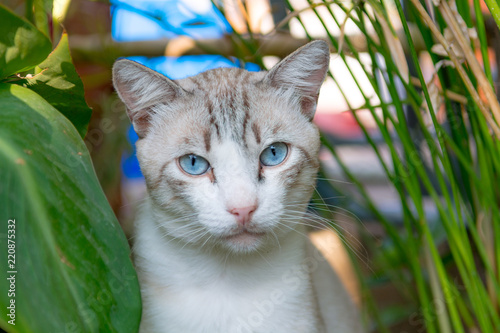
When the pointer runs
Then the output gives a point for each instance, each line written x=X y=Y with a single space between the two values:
x=177 y=68
x=130 y=164
x=136 y=20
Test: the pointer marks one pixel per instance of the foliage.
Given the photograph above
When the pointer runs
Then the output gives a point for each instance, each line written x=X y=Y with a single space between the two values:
x=57 y=81
x=72 y=266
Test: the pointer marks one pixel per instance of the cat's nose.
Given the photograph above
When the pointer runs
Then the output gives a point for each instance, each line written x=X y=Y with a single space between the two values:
x=243 y=214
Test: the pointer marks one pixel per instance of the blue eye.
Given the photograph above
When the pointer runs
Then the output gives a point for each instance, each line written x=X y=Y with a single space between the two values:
x=194 y=164
x=274 y=154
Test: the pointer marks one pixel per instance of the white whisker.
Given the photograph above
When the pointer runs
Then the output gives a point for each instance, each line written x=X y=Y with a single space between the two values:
x=335 y=180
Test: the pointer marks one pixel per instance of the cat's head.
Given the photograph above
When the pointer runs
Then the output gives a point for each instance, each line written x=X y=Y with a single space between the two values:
x=229 y=155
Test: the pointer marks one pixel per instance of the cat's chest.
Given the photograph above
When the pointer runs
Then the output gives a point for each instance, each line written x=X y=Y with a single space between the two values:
x=207 y=295
x=224 y=305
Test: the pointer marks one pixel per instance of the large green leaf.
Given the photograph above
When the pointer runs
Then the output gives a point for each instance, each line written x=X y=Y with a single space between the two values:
x=60 y=85
x=73 y=268
x=22 y=46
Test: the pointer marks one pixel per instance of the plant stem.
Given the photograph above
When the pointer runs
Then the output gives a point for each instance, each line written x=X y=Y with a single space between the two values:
x=494 y=10
x=450 y=19
x=465 y=78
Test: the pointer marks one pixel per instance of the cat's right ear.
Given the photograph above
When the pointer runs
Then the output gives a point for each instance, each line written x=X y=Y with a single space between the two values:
x=304 y=70
x=141 y=88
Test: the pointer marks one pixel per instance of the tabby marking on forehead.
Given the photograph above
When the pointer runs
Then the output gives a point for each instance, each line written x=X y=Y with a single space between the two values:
x=207 y=138
x=210 y=108
x=256 y=132
x=227 y=101
x=246 y=108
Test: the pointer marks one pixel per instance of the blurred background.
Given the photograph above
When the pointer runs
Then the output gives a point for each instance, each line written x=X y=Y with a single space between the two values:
x=409 y=120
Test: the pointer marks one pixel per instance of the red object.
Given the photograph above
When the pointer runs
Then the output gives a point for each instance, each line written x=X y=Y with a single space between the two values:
x=341 y=125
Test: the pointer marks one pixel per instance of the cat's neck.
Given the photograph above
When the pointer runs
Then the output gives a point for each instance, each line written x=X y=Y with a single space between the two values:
x=165 y=250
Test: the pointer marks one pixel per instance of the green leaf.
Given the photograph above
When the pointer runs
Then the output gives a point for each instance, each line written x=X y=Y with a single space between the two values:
x=72 y=260
x=42 y=9
x=59 y=84
x=22 y=46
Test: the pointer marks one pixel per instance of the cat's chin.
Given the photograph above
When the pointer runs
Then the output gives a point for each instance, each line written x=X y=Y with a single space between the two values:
x=244 y=241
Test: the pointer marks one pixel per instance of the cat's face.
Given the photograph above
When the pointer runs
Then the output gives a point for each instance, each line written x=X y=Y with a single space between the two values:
x=231 y=156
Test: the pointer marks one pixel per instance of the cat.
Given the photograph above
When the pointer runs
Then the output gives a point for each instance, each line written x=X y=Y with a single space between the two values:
x=230 y=159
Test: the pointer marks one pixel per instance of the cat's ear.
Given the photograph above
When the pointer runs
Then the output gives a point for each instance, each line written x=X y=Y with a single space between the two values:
x=141 y=88
x=304 y=70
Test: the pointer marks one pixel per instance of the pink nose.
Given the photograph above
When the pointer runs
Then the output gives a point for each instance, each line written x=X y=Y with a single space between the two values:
x=243 y=214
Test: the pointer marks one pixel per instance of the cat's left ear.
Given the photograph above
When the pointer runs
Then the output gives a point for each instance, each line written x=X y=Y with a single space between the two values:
x=304 y=70
x=141 y=89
